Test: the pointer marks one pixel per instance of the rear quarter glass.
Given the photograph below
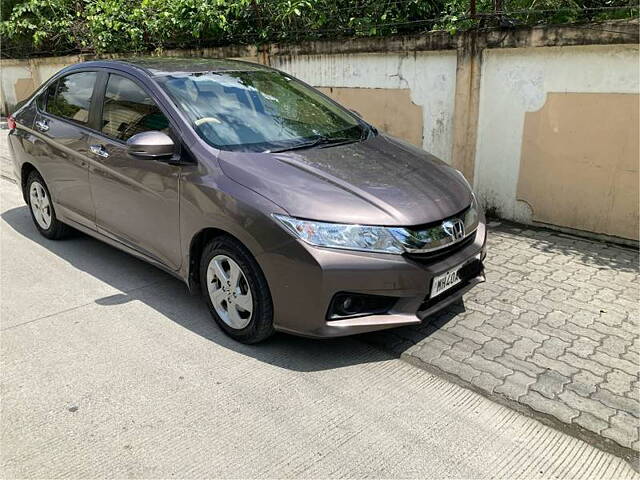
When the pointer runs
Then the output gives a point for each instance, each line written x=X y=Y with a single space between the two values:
x=25 y=115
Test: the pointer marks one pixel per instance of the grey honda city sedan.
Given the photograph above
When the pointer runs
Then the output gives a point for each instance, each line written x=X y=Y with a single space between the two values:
x=287 y=211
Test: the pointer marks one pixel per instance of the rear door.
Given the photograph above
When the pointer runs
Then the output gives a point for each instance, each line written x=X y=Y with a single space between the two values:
x=136 y=199
x=61 y=148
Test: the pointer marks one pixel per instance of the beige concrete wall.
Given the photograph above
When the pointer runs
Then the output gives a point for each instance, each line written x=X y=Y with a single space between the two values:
x=558 y=135
x=579 y=165
x=389 y=110
x=18 y=78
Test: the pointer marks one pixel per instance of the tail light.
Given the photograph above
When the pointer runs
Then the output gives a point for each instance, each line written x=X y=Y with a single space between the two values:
x=11 y=122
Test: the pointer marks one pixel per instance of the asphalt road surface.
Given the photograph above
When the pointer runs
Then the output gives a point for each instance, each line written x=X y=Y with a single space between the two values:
x=111 y=369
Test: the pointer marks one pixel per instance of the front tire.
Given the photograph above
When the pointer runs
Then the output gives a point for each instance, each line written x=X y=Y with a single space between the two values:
x=41 y=208
x=236 y=291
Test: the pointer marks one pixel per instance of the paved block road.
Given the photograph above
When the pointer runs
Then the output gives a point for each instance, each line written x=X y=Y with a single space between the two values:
x=553 y=332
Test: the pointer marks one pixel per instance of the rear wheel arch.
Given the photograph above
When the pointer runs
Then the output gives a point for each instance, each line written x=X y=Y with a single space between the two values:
x=25 y=171
x=40 y=205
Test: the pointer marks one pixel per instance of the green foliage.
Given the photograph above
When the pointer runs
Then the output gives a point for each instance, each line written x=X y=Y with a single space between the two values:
x=103 y=26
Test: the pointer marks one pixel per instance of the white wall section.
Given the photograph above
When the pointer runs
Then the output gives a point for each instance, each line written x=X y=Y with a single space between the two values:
x=516 y=81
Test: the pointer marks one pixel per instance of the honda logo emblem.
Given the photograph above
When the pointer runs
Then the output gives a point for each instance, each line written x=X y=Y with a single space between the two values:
x=454 y=228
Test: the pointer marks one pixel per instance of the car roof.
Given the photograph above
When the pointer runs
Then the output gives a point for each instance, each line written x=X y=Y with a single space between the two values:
x=161 y=66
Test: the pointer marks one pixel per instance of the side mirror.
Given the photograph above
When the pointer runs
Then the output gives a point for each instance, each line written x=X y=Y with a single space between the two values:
x=151 y=145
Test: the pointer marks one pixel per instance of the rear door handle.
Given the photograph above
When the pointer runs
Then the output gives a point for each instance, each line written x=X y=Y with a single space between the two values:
x=42 y=125
x=99 y=150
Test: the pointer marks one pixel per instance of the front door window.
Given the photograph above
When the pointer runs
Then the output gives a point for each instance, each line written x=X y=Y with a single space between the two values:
x=129 y=110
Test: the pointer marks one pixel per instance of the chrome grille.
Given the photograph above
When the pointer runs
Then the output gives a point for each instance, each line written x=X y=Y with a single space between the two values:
x=435 y=237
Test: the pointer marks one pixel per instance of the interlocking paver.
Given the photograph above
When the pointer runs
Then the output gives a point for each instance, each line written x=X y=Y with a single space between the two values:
x=529 y=319
x=464 y=350
x=581 y=331
x=622 y=429
x=584 y=383
x=500 y=334
x=557 y=327
x=431 y=350
x=554 y=347
x=527 y=333
x=588 y=364
x=462 y=370
x=613 y=362
x=556 y=332
x=517 y=365
x=493 y=348
x=619 y=402
x=464 y=332
x=615 y=345
x=483 y=365
x=523 y=348
x=583 y=404
x=556 y=319
x=618 y=382
x=590 y=422
x=583 y=347
x=516 y=385
x=550 y=384
x=554 y=365
x=486 y=381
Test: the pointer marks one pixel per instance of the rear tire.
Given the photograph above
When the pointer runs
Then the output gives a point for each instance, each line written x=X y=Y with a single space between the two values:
x=41 y=207
x=236 y=291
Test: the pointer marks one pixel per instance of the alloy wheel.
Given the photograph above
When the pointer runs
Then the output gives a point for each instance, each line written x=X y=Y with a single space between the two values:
x=40 y=205
x=229 y=291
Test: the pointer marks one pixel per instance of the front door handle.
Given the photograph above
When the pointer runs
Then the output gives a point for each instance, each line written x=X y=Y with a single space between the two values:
x=42 y=125
x=99 y=150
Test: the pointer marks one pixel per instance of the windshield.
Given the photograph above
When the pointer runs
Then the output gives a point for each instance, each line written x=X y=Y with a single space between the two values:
x=260 y=111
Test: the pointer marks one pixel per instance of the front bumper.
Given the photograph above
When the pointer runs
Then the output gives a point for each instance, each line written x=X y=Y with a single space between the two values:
x=303 y=280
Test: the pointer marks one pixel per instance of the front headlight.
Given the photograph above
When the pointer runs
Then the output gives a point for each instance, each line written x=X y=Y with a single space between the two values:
x=471 y=216
x=384 y=239
x=340 y=235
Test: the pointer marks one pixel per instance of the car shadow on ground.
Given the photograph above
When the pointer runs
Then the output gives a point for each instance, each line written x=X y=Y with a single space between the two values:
x=170 y=297
x=398 y=340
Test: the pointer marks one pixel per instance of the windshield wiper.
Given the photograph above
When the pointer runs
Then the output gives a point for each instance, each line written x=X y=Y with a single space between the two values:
x=322 y=140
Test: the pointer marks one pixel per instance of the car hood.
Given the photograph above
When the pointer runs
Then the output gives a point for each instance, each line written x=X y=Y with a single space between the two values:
x=381 y=181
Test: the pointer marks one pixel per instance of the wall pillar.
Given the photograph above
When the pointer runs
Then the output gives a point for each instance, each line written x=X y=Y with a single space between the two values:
x=264 y=55
x=466 y=104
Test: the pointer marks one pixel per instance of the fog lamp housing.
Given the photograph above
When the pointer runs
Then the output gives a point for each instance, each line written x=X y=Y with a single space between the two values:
x=350 y=305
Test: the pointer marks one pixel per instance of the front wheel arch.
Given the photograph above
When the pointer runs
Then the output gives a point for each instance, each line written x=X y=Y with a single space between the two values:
x=196 y=247
x=259 y=325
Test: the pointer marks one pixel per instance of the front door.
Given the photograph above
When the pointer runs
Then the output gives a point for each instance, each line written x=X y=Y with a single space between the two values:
x=136 y=200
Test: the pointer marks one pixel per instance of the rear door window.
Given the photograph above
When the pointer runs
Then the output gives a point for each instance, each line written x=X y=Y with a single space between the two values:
x=70 y=97
x=128 y=110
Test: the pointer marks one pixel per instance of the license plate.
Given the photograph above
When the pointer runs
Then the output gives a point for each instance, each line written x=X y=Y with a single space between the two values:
x=445 y=281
